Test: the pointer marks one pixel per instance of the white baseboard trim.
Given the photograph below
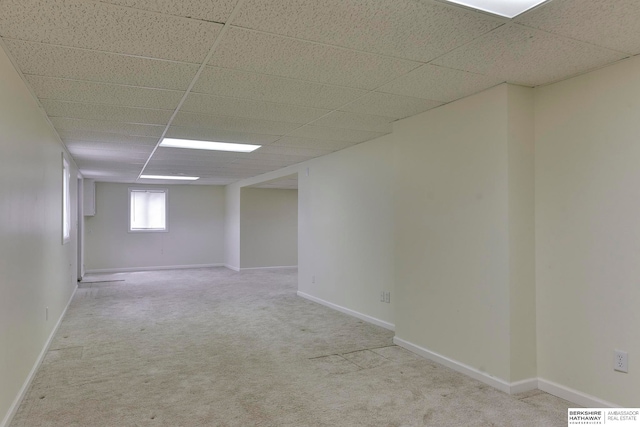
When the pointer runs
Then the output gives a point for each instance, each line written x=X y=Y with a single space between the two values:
x=366 y=318
x=500 y=384
x=151 y=268
x=573 y=396
x=523 y=385
x=269 y=268
x=231 y=267
x=25 y=386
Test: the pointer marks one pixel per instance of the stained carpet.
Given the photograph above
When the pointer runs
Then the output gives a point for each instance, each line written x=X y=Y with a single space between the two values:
x=214 y=347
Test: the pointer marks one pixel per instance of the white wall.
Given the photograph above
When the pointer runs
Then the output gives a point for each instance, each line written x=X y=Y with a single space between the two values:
x=36 y=269
x=346 y=228
x=268 y=227
x=232 y=227
x=588 y=231
x=464 y=233
x=195 y=238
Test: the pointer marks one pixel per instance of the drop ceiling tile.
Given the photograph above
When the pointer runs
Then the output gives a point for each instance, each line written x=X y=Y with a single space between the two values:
x=72 y=145
x=262 y=87
x=282 y=56
x=206 y=10
x=439 y=83
x=78 y=110
x=335 y=134
x=384 y=104
x=167 y=156
x=345 y=120
x=68 y=124
x=109 y=28
x=527 y=56
x=82 y=64
x=104 y=137
x=102 y=93
x=289 y=150
x=316 y=144
x=611 y=24
x=417 y=30
x=217 y=105
x=219 y=135
x=237 y=124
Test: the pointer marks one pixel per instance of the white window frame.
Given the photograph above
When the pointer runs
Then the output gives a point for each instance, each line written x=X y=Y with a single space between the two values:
x=66 y=201
x=166 y=210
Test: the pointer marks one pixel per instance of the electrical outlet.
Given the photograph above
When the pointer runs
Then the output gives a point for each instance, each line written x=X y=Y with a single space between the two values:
x=382 y=296
x=621 y=361
x=387 y=297
x=313 y=279
x=46 y=313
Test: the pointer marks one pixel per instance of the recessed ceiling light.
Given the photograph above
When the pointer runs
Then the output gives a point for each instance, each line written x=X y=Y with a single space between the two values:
x=506 y=8
x=208 y=145
x=177 y=177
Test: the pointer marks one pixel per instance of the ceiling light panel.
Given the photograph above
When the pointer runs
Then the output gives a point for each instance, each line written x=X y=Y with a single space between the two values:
x=170 y=177
x=416 y=30
x=283 y=56
x=81 y=64
x=108 y=28
x=506 y=8
x=208 y=145
x=263 y=87
x=104 y=93
x=181 y=132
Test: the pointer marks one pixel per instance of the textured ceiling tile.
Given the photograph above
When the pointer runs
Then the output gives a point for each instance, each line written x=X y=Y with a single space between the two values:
x=287 y=57
x=206 y=10
x=262 y=87
x=289 y=150
x=410 y=29
x=335 y=134
x=237 y=124
x=81 y=64
x=439 y=83
x=164 y=154
x=527 y=56
x=103 y=137
x=67 y=124
x=219 y=135
x=78 y=110
x=384 y=104
x=345 y=120
x=316 y=144
x=102 y=93
x=216 y=105
x=606 y=23
x=106 y=27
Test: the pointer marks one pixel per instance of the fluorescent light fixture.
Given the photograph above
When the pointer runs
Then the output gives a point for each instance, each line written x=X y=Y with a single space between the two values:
x=177 y=177
x=208 y=145
x=506 y=8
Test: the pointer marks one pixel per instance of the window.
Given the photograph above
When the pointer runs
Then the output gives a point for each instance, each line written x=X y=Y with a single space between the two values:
x=147 y=209
x=66 y=202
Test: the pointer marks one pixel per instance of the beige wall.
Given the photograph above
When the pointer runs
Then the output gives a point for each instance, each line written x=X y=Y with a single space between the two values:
x=452 y=240
x=588 y=231
x=36 y=269
x=346 y=228
x=196 y=230
x=268 y=227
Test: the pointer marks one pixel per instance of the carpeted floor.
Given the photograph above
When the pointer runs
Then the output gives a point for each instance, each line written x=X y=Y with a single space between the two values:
x=213 y=347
